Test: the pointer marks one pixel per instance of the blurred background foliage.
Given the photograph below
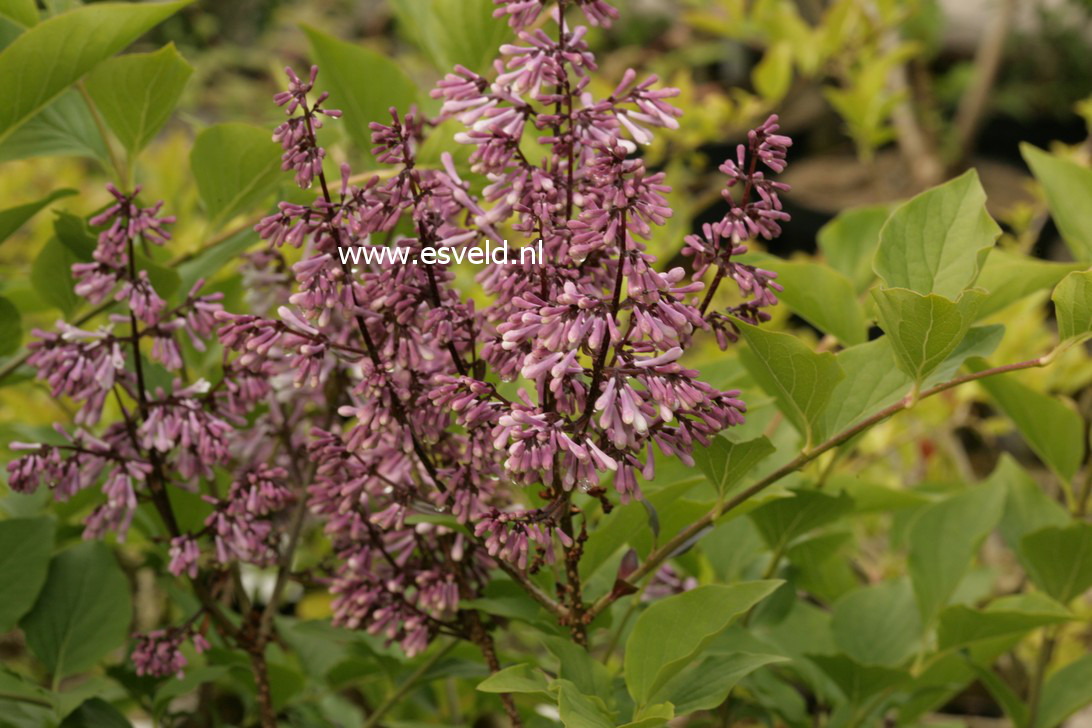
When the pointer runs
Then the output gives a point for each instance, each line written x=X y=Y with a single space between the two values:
x=883 y=98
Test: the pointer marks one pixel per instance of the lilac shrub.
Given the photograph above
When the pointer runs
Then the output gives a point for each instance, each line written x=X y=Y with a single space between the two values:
x=570 y=379
x=382 y=399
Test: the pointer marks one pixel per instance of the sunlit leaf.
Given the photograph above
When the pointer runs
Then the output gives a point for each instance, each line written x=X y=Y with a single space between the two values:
x=924 y=329
x=47 y=58
x=137 y=92
x=801 y=380
x=937 y=242
x=673 y=631
x=1068 y=187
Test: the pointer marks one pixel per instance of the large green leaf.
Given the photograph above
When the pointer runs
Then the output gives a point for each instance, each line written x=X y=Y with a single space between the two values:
x=63 y=128
x=726 y=461
x=924 y=329
x=47 y=58
x=823 y=297
x=961 y=625
x=1027 y=507
x=11 y=327
x=945 y=537
x=1073 y=305
x=235 y=166
x=578 y=710
x=1010 y=277
x=937 y=242
x=783 y=520
x=95 y=713
x=25 y=545
x=13 y=218
x=1068 y=187
x=577 y=666
x=51 y=276
x=24 y=12
x=878 y=624
x=673 y=631
x=849 y=241
x=707 y=684
x=1059 y=560
x=515 y=679
x=136 y=93
x=801 y=380
x=1051 y=426
x=874 y=381
x=856 y=681
x=453 y=32
x=363 y=84
x=1065 y=692
x=209 y=262
x=82 y=612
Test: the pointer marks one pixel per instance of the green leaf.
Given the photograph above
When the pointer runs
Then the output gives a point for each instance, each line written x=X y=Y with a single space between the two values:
x=206 y=264
x=83 y=611
x=924 y=330
x=453 y=32
x=945 y=537
x=1005 y=696
x=772 y=75
x=1065 y=692
x=24 y=12
x=74 y=234
x=578 y=710
x=515 y=679
x=12 y=688
x=726 y=461
x=137 y=92
x=164 y=280
x=1068 y=187
x=673 y=631
x=95 y=713
x=823 y=297
x=874 y=381
x=1027 y=507
x=577 y=666
x=1051 y=426
x=707 y=684
x=652 y=716
x=1009 y=277
x=801 y=380
x=858 y=682
x=47 y=58
x=25 y=544
x=937 y=242
x=11 y=327
x=51 y=276
x=783 y=520
x=1059 y=560
x=878 y=624
x=13 y=218
x=235 y=166
x=961 y=625
x=363 y=84
x=63 y=128
x=849 y=242
x=1073 y=306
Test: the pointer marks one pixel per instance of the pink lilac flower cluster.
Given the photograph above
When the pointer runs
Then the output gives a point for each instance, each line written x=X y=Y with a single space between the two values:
x=570 y=379
x=158 y=437
x=159 y=653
